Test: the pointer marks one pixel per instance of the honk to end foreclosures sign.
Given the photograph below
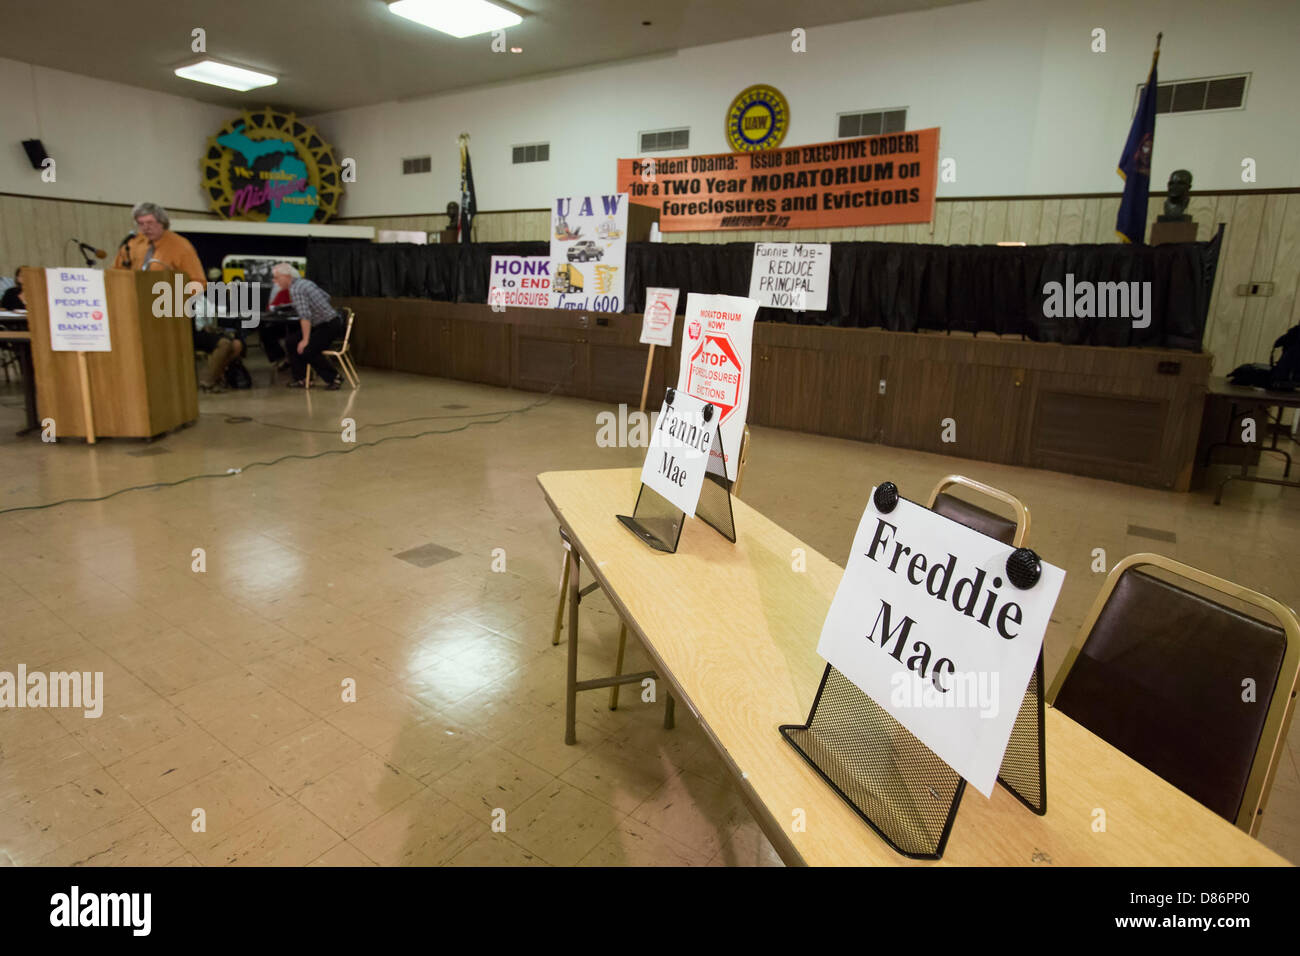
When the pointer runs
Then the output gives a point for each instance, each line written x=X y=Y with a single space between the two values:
x=78 y=310
x=927 y=624
x=520 y=282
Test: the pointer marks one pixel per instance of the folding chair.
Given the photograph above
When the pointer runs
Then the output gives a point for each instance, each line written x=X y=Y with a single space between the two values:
x=341 y=356
x=1014 y=533
x=1197 y=691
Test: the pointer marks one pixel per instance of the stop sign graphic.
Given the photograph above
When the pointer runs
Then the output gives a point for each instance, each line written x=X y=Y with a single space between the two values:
x=715 y=373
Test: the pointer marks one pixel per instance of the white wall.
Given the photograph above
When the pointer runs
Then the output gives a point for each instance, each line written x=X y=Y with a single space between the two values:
x=110 y=142
x=1024 y=106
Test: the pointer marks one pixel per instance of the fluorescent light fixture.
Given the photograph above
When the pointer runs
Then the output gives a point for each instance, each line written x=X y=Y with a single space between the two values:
x=459 y=18
x=223 y=74
x=1010 y=243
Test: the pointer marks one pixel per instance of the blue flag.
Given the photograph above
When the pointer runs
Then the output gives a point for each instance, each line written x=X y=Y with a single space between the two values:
x=468 y=201
x=1135 y=163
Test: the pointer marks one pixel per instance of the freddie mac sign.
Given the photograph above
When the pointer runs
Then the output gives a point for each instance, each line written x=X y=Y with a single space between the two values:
x=925 y=603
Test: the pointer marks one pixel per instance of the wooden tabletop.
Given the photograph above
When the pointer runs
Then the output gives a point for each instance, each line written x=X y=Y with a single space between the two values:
x=15 y=336
x=733 y=628
x=1263 y=396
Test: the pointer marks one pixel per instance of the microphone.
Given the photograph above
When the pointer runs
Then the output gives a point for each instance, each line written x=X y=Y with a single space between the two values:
x=88 y=250
x=122 y=245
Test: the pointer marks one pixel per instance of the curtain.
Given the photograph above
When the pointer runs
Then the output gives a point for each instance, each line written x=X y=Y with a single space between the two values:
x=891 y=285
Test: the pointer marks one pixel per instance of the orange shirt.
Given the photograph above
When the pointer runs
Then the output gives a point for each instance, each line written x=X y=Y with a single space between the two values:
x=172 y=252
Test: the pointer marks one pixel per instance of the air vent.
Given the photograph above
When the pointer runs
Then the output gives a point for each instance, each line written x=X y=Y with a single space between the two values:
x=659 y=140
x=871 y=123
x=416 y=164
x=1200 y=95
x=531 y=153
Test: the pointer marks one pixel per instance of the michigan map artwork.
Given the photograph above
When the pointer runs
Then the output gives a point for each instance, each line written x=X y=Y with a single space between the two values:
x=267 y=165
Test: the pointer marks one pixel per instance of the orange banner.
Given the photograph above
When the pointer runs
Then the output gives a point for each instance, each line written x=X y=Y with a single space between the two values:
x=873 y=181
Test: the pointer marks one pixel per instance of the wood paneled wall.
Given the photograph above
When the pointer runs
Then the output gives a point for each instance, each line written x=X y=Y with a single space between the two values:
x=1129 y=415
x=35 y=231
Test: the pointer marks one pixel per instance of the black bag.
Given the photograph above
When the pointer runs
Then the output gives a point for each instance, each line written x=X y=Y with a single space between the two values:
x=237 y=376
x=1254 y=375
x=1286 y=370
x=1283 y=375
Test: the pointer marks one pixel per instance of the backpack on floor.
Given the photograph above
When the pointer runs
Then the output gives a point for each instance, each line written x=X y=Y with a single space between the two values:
x=237 y=376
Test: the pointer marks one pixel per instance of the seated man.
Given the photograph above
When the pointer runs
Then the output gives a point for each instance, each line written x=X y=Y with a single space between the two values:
x=271 y=334
x=12 y=300
x=317 y=327
x=155 y=246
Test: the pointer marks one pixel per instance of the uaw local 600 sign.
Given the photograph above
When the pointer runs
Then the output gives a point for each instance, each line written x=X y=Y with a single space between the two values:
x=715 y=366
x=874 y=181
x=588 y=251
x=520 y=281
x=928 y=625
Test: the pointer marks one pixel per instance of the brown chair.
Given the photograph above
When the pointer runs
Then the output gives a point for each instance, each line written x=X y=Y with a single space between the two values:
x=341 y=356
x=1159 y=672
x=1014 y=533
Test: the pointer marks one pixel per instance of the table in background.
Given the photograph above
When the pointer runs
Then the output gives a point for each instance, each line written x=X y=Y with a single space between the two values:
x=13 y=329
x=1251 y=398
x=733 y=630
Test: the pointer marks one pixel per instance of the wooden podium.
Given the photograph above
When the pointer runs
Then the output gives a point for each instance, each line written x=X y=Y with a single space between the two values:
x=144 y=387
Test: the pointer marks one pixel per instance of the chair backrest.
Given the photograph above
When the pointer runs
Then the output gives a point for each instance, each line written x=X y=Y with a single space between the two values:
x=741 y=462
x=1002 y=529
x=1196 y=691
x=347 y=329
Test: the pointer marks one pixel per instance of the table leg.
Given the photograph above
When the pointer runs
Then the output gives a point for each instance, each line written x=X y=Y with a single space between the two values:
x=29 y=386
x=571 y=676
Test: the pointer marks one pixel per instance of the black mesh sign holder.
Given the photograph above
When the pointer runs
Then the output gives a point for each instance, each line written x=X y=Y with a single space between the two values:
x=658 y=522
x=895 y=783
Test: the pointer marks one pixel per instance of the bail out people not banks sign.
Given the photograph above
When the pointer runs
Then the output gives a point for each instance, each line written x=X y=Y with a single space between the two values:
x=791 y=275
x=716 y=347
x=520 y=282
x=926 y=622
x=78 y=310
x=588 y=250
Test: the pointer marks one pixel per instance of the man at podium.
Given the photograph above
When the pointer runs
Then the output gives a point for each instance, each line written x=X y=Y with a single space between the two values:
x=154 y=246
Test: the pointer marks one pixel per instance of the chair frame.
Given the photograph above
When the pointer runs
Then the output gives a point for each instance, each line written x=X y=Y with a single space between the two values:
x=1272 y=738
x=961 y=481
x=341 y=356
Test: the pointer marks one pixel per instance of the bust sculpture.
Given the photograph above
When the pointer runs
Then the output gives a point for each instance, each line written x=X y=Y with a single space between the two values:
x=453 y=215
x=1180 y=188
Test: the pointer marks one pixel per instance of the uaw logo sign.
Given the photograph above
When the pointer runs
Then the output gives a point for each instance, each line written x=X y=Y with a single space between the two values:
x=269 y=166
x=715 y=373
x=757 y=119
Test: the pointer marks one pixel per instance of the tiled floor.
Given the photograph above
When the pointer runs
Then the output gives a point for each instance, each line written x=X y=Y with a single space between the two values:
x=226 y=737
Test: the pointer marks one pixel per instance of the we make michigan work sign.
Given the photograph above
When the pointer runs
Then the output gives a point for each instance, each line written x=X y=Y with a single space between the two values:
x=927 y=624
